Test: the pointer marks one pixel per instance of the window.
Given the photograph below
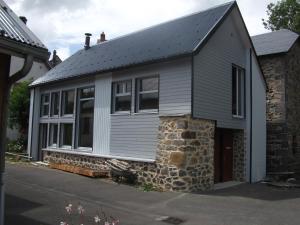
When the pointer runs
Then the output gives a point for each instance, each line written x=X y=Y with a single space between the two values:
x=54 y=103
x=45 y=99
x=85 y=117
x=53 y=135
x=68 y=102
x=43 y=135
x=121 y=96
x=238 y=92
x=66 y=135
x=147 y=94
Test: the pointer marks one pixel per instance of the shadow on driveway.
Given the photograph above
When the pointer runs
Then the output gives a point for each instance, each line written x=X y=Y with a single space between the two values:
x=15 y=206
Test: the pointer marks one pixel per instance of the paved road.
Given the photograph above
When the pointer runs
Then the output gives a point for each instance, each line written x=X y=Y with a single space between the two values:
x=37 y=196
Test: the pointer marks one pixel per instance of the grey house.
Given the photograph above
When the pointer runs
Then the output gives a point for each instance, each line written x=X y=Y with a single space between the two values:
x=279 y=56
x=182 y=102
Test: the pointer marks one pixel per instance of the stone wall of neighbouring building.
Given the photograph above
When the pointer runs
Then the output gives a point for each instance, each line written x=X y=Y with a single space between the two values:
x=283 y=110
x=239 y=155
x=184 y=162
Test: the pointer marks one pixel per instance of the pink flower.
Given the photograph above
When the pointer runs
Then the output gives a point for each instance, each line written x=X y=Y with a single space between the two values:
x=69 y=208
x=97 y=219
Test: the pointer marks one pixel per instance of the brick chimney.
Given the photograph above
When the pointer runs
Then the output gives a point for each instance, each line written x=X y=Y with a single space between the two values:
x=23 y=18
x=87 y=41
x=102 y=38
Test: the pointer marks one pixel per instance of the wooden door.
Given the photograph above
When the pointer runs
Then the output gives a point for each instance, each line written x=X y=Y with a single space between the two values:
x=223 y=157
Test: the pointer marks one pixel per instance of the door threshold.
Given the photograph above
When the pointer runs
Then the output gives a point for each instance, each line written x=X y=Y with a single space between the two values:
x=228 y=184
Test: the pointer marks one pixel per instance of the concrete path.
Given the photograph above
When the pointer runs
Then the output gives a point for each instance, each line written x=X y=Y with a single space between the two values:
x=37 y=196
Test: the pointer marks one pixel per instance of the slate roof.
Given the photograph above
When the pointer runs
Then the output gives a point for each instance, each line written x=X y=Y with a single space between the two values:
x=274 y=42
x=12 y=27
x=171 y=39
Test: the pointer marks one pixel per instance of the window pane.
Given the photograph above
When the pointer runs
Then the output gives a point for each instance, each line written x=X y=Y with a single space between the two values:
x=68 y=102
x=234 y=96
x=148 y=101
x=86 y=118
x=45 y=105
x=149 y=84
x=123 y=103
x=66 y=131
x=240 y=92
x=128 y=87
x=53 y=135
x=43 y=135
x=54 y=103
x=87 y=93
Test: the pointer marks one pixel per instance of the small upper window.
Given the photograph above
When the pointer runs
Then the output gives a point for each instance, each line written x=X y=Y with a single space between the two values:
x=54 y=104
x=68 y=102
x=147 y=94
x=121 y=96
x=45 y=102
x=238 y=92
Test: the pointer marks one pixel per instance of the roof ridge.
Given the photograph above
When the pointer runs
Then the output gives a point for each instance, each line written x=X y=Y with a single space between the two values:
x=275 y=31
x=169 y=21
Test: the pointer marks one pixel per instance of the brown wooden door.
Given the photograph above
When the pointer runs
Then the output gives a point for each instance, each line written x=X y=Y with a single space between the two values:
x=223 y=157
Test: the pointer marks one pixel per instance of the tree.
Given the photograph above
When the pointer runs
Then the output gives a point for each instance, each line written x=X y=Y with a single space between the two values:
x=284 y=14
x=19 y=107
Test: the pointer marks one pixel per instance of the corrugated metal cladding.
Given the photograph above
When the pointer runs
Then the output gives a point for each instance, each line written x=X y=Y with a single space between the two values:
x=12 y=27
x=174 y=38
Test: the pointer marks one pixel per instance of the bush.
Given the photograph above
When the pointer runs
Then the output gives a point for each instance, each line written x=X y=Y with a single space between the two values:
x=17 y=146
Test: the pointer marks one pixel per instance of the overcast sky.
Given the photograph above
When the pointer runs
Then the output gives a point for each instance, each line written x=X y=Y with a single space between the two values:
x=61 y=24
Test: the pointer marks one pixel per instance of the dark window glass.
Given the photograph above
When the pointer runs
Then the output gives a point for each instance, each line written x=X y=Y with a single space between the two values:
x=53 y=135
x=121 y=96
x=234 y=96
x=147 y=95
x=86 y=119
x=66 y=132
x=43 y=135
x=45 y=104
x=55 y=104
x=68 y=102
x=87 y=93
x=238 y=92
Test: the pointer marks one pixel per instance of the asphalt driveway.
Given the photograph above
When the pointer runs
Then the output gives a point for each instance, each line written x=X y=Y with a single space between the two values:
x=38 y=196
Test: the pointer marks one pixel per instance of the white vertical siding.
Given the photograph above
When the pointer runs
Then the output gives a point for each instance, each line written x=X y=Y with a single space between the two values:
x=30 y=120
x=213 y=72
x=35 y=125
x=102 y=115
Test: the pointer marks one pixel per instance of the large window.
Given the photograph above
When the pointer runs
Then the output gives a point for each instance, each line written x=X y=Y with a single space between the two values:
x=86 y=117
x=147 y=94
x=45 y=101
x=121 y=96
x=238 y=92
x=67 y=127
x=68 y=98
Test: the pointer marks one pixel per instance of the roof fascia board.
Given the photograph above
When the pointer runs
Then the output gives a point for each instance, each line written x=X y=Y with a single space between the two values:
x=20 y=49
x=213 y=29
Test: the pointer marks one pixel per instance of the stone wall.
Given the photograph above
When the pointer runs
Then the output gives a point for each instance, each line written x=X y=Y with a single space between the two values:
x=239 y=155
x=185 y=160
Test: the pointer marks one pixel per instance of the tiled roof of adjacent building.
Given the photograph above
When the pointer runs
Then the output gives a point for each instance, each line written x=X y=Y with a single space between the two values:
x=171 y=39
x=274 y=42
x=13 y=28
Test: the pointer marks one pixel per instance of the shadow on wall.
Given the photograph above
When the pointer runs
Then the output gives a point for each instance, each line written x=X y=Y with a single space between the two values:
x=14 y=209
x=257 y=191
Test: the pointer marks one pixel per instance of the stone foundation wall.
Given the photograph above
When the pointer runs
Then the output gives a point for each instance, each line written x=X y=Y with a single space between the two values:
x=239 y=155
x=184 y=162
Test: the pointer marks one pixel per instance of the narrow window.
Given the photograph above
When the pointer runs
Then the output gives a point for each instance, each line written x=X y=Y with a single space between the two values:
x=85 y=117
x=43 y=135
x=66 y=135
x=147 y=94
x=53 y=135
x=238 y=92
x=121 y=96
x=54 y=104
x=68 y=102
x=45 y=99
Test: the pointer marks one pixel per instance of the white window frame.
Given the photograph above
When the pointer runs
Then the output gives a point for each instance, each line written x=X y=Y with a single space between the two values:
x=240 y=100
x=61 y=133
x=62 y=102
x=50 y=140
x=51 y=104
x=138 y=93
x=44 y=104
x=124 y=93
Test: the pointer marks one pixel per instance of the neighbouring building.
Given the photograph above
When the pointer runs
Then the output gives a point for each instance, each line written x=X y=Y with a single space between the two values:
x=183 y=102
x=279 y=56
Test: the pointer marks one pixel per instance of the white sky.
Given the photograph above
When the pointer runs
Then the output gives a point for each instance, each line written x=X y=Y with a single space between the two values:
x=61 y=24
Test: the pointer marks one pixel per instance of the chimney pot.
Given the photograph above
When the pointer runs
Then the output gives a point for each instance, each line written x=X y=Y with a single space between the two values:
x=102 y=38
x=24 y=19
x=87 y=41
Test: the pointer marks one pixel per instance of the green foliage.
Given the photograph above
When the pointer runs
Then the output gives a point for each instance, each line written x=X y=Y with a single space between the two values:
x=17 y=146
x=284 y=14
x=19 y=107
